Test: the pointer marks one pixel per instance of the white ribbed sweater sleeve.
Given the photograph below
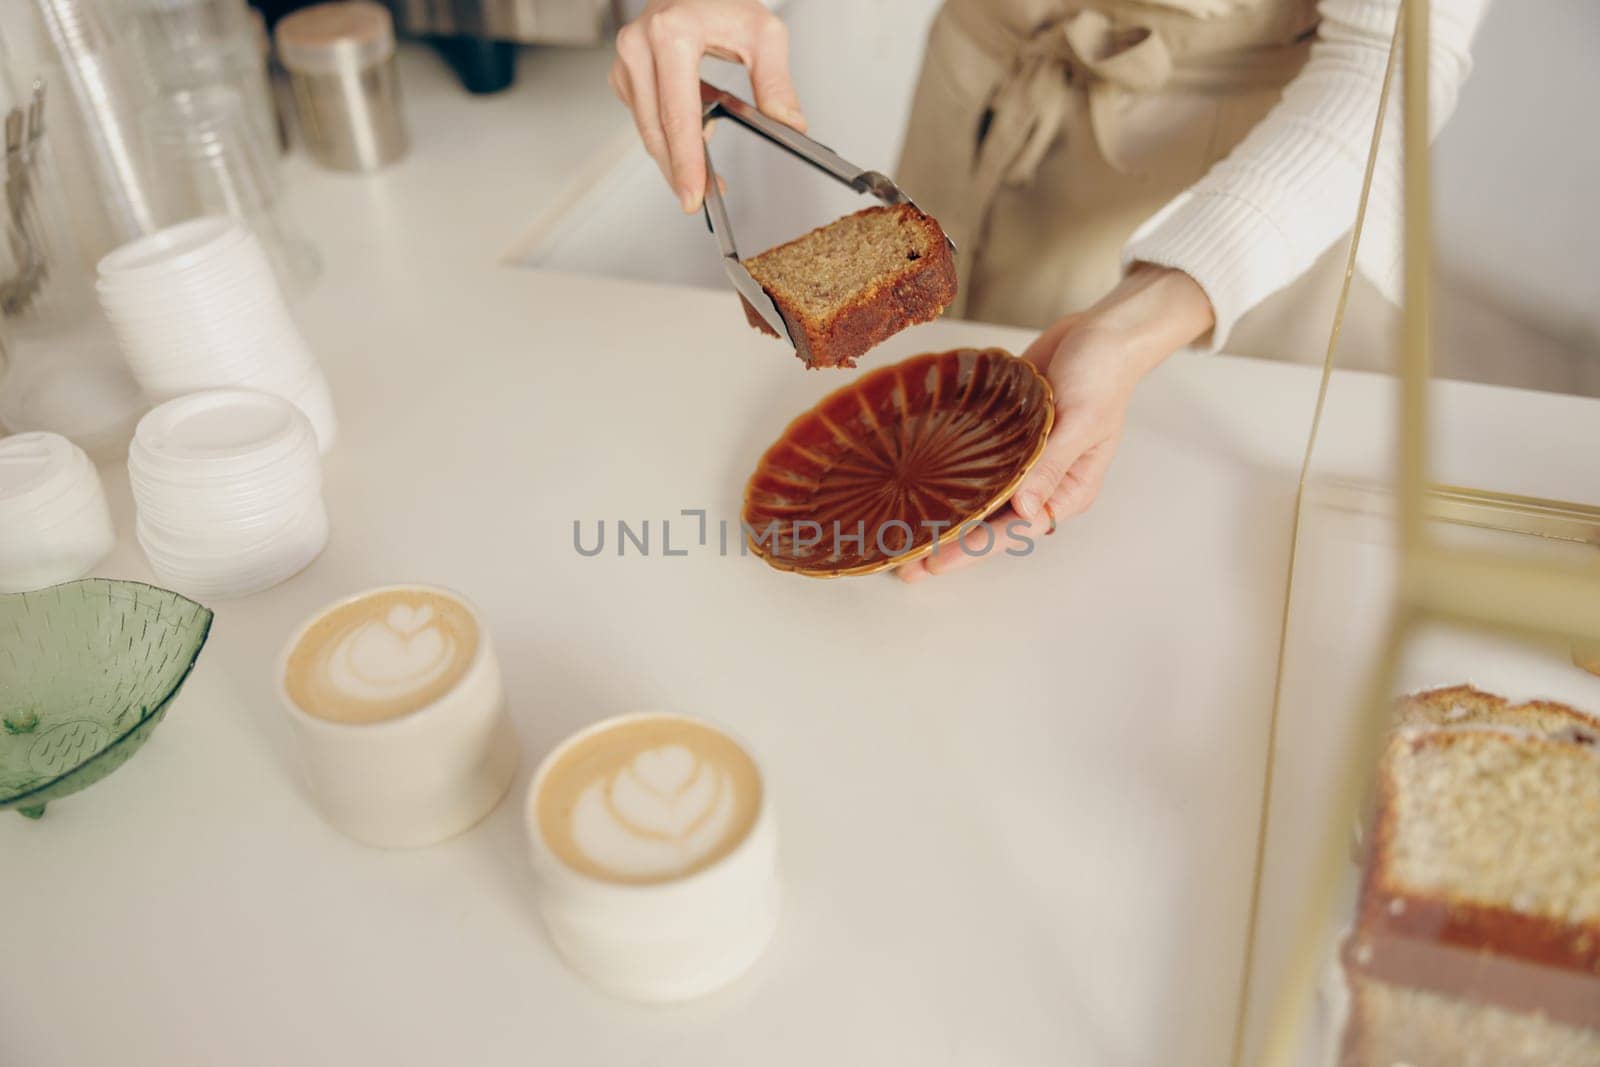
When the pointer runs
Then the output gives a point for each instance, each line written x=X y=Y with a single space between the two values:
x=1264 y=214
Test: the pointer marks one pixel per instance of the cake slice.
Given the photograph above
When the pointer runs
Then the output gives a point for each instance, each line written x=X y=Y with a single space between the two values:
x=856 y=282
x=1392 y=1024
x=1462 y=705
x=1478 y=938
x=1488 y=837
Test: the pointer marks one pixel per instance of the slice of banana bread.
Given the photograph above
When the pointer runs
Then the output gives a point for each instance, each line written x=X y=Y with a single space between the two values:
x=1478 y=938
x=1397 y=1024
x=856 y=282
x=1462 y=705
x=1488 y=837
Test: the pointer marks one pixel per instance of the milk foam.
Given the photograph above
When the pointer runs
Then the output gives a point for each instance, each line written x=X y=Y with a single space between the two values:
x=663 y=812
x=648 y=799
x=406 y=651
x=381 y=655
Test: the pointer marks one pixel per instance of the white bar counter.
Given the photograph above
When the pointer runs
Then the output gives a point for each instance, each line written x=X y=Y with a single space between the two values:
x=1018 y=805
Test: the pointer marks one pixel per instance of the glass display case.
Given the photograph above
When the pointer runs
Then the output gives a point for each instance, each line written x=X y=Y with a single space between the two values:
x=1428 y=881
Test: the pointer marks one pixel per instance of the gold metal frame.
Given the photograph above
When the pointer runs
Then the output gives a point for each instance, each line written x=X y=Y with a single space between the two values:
x=1437 y=582
x=1552 y=520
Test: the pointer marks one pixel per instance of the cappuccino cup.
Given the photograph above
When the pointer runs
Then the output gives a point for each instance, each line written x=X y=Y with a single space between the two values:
x=400 y=717
x=655 y=855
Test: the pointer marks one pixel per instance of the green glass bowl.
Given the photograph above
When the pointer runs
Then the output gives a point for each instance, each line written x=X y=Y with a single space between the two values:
x=87 y=670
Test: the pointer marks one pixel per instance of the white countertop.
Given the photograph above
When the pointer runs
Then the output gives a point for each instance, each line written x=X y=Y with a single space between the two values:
x=1018 y=805
x=483 y=173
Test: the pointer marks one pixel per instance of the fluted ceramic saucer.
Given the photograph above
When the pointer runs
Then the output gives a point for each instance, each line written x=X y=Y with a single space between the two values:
x=886 y=468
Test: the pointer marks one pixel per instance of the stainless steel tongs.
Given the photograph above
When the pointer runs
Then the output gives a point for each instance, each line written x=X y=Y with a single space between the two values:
x=714 y=103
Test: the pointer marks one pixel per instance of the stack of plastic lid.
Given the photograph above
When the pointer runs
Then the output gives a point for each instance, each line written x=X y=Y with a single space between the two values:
x=228 y=486
x=197 y=306
x=54 y=523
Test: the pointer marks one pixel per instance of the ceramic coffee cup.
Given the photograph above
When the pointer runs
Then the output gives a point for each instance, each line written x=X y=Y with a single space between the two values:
x=397 y=705
x=655 y=855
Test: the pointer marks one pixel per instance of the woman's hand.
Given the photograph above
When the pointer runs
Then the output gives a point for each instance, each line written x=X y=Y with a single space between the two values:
x=1093 y=360
x=657 y=75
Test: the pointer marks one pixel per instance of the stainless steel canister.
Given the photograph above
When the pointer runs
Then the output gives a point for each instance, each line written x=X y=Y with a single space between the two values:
x=340 y=59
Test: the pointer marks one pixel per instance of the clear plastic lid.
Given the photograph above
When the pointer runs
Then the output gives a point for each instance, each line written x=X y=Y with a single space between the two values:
x=174 y=247
x=221 y=431
x=37 y=470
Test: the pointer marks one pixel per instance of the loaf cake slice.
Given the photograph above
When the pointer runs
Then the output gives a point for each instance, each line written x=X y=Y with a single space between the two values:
x=1392 y=1024
x=1478 y=938
x=1488 y=837
x=856 y=282
x=1462 y=705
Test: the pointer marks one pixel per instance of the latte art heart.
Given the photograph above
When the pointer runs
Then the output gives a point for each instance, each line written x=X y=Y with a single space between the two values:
x=409 y=618
x=666 y=770
x=628 y=825
x=378 y=661
x=649 y=800
x=651 y=813
x=382 y=655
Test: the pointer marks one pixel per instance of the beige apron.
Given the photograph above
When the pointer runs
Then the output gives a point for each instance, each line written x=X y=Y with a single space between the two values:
x=1044 y=132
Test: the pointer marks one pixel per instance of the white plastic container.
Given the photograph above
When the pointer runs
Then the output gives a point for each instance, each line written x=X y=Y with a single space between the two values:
x=228 y=487
x=197 y=306
x=54 y=522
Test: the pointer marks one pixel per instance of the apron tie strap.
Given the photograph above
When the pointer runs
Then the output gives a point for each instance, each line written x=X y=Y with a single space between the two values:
x=1008 y=84
x=1081 y=53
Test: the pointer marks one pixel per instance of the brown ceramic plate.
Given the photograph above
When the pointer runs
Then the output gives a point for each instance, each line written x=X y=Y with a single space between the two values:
x=942 y=438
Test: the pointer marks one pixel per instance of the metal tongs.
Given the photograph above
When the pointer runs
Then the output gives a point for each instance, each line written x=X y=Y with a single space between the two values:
x=715 y=103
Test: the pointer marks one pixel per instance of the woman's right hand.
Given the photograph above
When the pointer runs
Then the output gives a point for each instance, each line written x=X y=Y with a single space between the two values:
x=657 y=75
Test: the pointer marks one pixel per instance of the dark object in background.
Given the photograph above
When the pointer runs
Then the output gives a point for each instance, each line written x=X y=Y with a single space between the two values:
x=483 y=66
x=477 y=37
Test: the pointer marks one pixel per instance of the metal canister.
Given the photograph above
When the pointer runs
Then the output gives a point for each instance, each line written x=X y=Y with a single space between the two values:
x=340 y=59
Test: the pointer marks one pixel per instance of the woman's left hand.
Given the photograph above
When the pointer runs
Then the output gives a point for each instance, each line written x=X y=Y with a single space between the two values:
x=1093 y=360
